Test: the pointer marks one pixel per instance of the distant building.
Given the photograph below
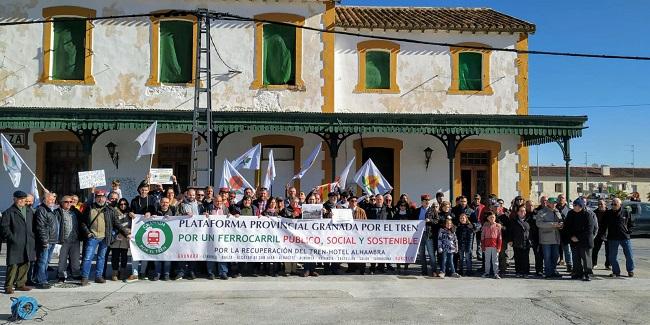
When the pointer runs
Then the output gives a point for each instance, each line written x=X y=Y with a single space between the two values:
x=587 y=180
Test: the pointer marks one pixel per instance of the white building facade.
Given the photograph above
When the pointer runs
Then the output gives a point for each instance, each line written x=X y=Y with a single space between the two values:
x=68 y=88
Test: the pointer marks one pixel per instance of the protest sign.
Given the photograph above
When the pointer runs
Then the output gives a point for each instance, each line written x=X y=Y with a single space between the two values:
x=91 y=179
x=161 y=175
x=312 y=211
x=272 y=239
x=342 y=216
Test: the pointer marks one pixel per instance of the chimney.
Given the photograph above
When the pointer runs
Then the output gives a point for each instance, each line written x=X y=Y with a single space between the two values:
x=604 y=170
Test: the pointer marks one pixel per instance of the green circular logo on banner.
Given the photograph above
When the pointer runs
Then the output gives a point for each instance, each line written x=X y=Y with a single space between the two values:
x=154 y=237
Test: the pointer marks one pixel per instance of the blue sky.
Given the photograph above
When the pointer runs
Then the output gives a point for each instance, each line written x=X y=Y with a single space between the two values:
x=596 y=26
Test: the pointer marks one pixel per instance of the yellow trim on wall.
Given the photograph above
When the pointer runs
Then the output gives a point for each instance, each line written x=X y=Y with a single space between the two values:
x=154 y=74
x=67 y=11
x=42 y=138
x=485 y=75
x=362 y=49
x=522 y=75
x=282 y=140
x=258 y=82
x=327 y=56
x=469 y=145
x=523 y=168
x=395 y=144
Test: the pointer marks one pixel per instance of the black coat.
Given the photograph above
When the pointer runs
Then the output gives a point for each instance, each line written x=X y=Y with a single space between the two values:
x=519 y=231
x=581 y=225
x=111 y=221
x=619 y=224
x=17 y=233
x=46 y=227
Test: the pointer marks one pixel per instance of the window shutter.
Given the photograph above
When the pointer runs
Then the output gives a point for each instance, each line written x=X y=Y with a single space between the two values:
x=68 y=59
x=470 y=71
x=279 y=55
x=176 y=46
x=377 y=70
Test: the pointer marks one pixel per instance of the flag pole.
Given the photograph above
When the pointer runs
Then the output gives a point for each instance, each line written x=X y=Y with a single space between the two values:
x=149 y=172
x=26 y=165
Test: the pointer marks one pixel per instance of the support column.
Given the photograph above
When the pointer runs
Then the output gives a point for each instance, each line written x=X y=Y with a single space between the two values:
x=217 y=138
x=87 y=137
x=451 y=142
x=566 y=152
x=333 y=141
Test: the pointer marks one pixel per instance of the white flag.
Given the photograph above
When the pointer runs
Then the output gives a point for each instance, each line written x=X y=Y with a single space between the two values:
x=147 y=141
x=371 y=180
x=233 y=180
x=11 y=161
x=37 y=199
x=250 y=159
x=270 y=172
x=344 y=174
x=310 y=161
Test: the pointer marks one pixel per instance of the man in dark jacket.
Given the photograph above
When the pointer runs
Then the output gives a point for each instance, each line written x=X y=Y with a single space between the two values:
x=519 y=237
x=46 y=229
x=16 y=226
x=97 y=226
x=69 y=239
x=460 y=208
x=619 y=227
x=601 y=237
x=580 y=227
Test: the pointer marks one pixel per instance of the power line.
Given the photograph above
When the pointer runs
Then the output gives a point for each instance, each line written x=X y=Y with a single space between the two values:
x=226 y=16
x=230 y=17
x=593 y=106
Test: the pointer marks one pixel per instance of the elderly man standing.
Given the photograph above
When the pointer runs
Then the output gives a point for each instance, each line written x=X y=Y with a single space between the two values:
x=16 y=226
x=549 y=222
x=69 y=239
x=47 y=236
x=97 y=226
x=581 y=227
x=619 y=227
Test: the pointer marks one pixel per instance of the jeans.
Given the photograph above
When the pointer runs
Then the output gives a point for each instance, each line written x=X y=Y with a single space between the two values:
x=222 y=267
x=568 y=257
x=627 y=251
x=551 y=255
x=426 y=246
x=309 y=267
x=92 y=245
x=479 y=254
x=44 y=257
x=465 y=254
x=447 y=265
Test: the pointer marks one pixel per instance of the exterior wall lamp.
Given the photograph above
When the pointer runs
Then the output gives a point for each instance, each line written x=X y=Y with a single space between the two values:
x=427 y=157
x=115 y=156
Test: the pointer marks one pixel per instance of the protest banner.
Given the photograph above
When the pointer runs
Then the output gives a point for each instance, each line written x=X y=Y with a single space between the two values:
x=342 y=216
x=271 y=239
x=161 y=175
x=92 y=178
x=312 y=211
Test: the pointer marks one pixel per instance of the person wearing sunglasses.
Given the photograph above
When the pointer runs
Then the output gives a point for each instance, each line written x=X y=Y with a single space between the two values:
x=120 y=246
x=69 y=240
x=619 y=227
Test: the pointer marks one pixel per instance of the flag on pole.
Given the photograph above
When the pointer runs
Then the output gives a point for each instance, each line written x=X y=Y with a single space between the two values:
x=270 y=172
x=11 y=161
x=308 y=163
x=147 y=141
x=371 y=180
x=37 y=198
x=325 y=189
x=233 y=180
x=250 y=159
x=344 y=174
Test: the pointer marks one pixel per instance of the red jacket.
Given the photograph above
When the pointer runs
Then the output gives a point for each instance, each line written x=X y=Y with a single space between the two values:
x=491 y=236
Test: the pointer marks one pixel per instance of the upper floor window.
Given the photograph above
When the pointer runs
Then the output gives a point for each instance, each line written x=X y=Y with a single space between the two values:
x=67 y=46
x=173 y=49
x=377 y=67
x=470 y=70
x=278 y=52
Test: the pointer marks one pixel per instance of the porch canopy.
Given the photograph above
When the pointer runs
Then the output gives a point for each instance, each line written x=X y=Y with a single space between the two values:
x=333 y=128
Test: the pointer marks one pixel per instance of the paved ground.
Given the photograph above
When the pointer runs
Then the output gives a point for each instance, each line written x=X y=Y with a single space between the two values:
x=354 y=299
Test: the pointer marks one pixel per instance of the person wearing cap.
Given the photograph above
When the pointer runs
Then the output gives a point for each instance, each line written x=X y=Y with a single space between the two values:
x=47 y=236
x=580 y=228
x=97 y=226
x=549 y=223
x=16 y=227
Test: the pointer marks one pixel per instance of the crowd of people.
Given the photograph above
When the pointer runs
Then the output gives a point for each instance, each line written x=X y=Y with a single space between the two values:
x=463 y=239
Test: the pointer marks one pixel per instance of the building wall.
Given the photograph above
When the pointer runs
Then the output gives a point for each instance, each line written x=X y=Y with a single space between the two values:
x=425 y=74
x=548 y=185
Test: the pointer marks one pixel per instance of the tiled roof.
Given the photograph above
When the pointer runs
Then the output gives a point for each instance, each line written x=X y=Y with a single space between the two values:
x=427 y=18
x=615 y=172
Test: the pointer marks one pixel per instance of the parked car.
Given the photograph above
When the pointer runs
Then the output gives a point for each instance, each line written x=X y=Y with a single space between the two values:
x=640 y=215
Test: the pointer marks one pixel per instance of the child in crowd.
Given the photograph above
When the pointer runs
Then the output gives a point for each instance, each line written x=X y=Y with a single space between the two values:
x=491 y=242
x=465 y=235
x=447 y=246
x=115 y=187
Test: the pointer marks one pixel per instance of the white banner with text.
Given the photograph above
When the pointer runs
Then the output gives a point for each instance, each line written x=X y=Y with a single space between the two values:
x=271 y=239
